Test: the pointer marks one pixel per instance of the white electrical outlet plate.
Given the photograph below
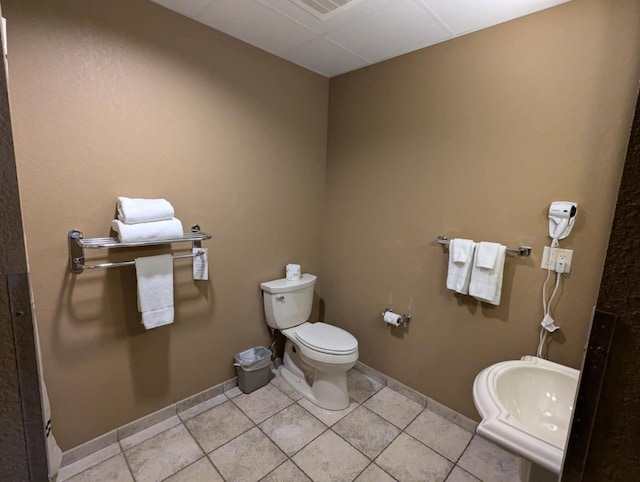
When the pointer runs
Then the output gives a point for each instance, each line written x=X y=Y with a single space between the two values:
x=551 y=256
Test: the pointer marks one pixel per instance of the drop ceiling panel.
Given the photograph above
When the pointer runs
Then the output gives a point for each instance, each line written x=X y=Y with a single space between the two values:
x=464 y=16
x=189 y=8
x=352 y=11
x=399 y=27
x=323 y=8
x=324 y=57
x=335 y=36
x=256 y=24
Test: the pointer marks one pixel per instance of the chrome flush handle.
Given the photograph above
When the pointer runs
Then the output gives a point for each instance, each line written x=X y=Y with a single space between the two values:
x=280 y=298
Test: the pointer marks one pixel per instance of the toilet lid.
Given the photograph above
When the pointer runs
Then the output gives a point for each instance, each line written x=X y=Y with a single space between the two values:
x=326 y=338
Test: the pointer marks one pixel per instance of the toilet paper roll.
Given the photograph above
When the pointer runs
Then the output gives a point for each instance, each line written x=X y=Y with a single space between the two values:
x=294 y=272
x=392 y=318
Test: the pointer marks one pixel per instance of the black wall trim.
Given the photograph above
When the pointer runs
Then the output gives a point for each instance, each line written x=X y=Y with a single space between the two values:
x=28 y=378
x=592 y=379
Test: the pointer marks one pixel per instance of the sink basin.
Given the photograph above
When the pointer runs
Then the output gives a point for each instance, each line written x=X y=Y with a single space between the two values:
x=526 y=407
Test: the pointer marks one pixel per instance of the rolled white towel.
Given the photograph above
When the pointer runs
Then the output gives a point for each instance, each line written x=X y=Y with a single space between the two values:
x=133 y=233
x=134 y=211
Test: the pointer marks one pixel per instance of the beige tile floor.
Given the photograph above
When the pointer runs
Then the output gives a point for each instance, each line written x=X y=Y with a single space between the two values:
x=275 y=435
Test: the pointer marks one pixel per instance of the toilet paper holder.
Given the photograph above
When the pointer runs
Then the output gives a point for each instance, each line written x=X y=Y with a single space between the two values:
x=404 y=318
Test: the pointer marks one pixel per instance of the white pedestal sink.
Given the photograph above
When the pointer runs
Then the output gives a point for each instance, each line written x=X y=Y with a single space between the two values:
x=526 y=407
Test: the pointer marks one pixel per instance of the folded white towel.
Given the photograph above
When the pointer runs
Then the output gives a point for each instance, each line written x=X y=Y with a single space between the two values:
x=133 y=233
x=460 y=263
x=487 y=254
x=134 y=211
x=486 y=284
x=155 y=289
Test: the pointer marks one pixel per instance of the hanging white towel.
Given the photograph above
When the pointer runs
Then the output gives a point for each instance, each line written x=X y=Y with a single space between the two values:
x=460 y=262
x=134 y=210
x=486 y=283
x=155 y=289
x=487 y=255
x=133 y=233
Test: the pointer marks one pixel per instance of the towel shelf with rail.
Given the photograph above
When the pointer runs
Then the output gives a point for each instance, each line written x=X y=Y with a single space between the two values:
x=77 y=245
x=519 y=251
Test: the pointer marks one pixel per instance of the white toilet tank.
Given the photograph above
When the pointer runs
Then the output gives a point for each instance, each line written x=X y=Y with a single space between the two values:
x=288 y=303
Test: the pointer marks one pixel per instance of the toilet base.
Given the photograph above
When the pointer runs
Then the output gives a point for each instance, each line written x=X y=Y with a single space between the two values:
x=326 y=389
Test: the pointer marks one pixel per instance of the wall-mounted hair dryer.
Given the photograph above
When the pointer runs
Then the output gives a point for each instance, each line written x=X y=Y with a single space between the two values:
x=562 y=216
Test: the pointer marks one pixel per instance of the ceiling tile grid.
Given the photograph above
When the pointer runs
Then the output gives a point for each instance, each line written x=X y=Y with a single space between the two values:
x=465 y=16
x=332 y=37
x=188 y=8
x=255 y=23
x=400 y=27
x=323 y=56
x=353 y=11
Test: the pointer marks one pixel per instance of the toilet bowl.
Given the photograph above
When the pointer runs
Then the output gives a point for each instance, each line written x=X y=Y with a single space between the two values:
x=317 y=355
x=316 y=360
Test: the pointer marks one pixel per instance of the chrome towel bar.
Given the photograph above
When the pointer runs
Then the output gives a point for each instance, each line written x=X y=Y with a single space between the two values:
x=519 y=251
x=77 y=245
x=79 y=265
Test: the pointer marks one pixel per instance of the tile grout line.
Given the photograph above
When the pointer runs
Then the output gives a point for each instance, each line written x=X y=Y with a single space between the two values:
x=154 y=435
x=300 y=468
x=330 y=428
x=277 y=446
x=308 y=443
x=274 y=469
x=227 y=442
x=270 y=416
x=290 y=457
x=206 y=455
x=362 y=404
x=254 y=425
x=365 y=467
x=257 y=425
x=384 y=470
x=184 y=468
x=94 y=465
x=126 y=461
x=458 y=460
x=435 y=451
x=317 y=418
x=454 y=463
x=394 y=438
x=327 y=429
x=372 y=460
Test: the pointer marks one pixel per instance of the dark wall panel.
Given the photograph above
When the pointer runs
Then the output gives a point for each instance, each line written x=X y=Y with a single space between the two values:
x=22 y=446
x=612 y=453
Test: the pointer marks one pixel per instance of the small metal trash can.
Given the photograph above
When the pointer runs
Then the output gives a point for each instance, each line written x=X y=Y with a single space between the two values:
x=252 y=368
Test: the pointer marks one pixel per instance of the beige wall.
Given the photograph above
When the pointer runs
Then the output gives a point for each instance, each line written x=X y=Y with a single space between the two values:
x=474 y=138
x=127 y=98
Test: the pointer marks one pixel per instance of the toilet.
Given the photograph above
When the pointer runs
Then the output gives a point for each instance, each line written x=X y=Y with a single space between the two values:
x=317 y=356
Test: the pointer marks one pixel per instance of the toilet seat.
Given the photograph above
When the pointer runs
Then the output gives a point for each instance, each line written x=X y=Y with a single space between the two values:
x=326 y=338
